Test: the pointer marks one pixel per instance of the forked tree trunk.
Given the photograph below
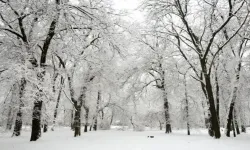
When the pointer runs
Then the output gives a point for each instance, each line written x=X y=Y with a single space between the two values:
x=209 y=90
x=214 y=120
x=208 y=120
x=232 y=104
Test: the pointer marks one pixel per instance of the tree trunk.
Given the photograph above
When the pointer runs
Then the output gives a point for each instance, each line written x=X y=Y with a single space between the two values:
x=36 y=117
x=45 y=127
x=90 y=128
x=233 y=128
x=78 y=105
x=232 y=104
x=102 y=112
x=214 y=120
x=95 y=124
x=37 y=109
x=166 y=111
x=86 y=119
x=208 y=120
x=229 y=119
x=160 y=124
x=10 y=116
x=209 y=90
x=57 y=103
x=9 y=119
x=237 y=127
x=18 y=122
x=72 y=120
x=217 y=96
x=236 y=123
x=132 y=123
x=36 y=120
x=97 y=110
x=187 y=104
x=77 y=120
x=111 y=119
x=243 y=129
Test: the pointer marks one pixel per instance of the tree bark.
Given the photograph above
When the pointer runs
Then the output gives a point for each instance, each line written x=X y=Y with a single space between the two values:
x=86 y=119
x=36 y=116
x=236 y=123
x=187 y=105
x=45 y=127
x=160 y=125
x=208 y=120
x=167 y=116
x=9 y=119
x=217 y=95
x=209 y=90
x=72 y=120
x=97 y=110
x=10 y=116
x=232 y=104
x=57 y=102
x=162 y=86
x=233 y=128
x=36 y=120
x=243 y=129
x=18 y=122
x=112 y=117
x=77 y=120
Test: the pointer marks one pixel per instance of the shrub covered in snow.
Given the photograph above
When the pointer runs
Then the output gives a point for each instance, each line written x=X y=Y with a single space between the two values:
x=104 y=125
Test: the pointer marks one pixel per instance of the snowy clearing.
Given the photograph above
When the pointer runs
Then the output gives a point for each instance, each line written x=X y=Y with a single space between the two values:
x=62 y=139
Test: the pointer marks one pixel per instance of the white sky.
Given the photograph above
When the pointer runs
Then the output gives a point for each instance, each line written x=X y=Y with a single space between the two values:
x=131 y=7
x=126 y=4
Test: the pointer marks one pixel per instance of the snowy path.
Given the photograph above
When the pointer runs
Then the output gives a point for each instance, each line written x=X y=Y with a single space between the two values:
x=123 y=140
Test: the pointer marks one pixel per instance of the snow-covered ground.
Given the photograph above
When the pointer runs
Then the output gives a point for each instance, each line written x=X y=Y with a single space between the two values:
x=62 y=139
